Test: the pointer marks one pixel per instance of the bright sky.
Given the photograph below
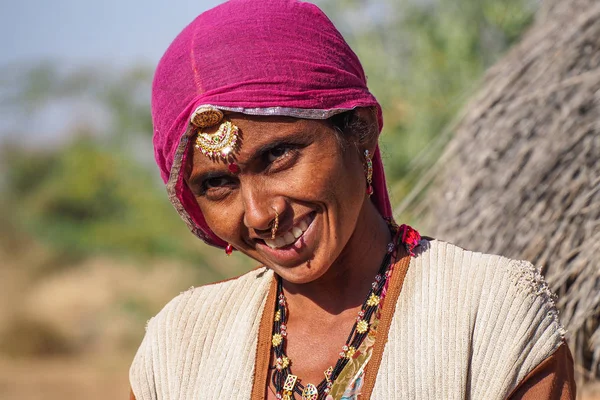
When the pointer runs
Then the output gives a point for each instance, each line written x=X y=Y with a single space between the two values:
x=73 y=33
x=82 y=31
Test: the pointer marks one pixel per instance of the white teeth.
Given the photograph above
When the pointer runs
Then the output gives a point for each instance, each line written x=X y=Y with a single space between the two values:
x=303 y=225
x=297 y=232
x=270 y=243
x=289 y=237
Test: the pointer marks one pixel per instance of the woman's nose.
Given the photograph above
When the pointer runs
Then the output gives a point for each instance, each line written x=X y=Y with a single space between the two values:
x=260 y=207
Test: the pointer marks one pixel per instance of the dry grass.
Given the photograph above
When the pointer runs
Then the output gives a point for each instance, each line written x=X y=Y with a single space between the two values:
x=90 y=378
x=73 y=333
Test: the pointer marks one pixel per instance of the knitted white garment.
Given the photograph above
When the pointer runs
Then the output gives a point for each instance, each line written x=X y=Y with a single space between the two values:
x=467 y=326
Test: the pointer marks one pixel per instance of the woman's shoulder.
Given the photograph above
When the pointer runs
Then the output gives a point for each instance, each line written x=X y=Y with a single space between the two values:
x=211 y=300
x=198 y=310
x=201 y=323
x=486 y=283
x=483 y=274
x=498 y=312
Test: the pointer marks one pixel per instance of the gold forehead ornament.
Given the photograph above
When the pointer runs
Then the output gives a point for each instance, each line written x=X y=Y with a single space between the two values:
x=206 y=116
x=217 y=144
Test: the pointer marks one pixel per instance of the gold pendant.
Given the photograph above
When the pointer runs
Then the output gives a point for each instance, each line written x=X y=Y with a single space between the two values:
x=290 y=382
x=310 y=392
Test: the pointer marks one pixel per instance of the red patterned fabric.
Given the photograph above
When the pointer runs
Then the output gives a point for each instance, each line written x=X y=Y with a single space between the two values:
x=254 y=55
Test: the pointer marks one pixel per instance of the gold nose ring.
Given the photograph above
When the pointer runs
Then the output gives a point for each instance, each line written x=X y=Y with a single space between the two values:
x=275 y=226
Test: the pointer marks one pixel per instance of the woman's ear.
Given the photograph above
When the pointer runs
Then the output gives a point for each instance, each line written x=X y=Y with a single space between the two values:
x=368 y=126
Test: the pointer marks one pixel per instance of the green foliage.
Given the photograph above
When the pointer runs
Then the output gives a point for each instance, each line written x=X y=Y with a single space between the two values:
x=423 y=60
x=97 y=192
x=87 y=198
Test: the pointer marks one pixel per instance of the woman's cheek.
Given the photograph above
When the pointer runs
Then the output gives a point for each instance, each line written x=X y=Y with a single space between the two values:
x=311 y=180
x=221 y=217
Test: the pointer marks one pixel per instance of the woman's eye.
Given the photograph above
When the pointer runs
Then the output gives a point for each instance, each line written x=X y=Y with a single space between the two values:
x=277 y=152
x=216 y=182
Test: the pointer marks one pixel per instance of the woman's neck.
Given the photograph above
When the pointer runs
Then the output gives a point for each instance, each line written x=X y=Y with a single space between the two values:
x=348 y=280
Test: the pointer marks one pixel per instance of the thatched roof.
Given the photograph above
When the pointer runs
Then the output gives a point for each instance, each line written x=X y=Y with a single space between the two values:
x=521 y=176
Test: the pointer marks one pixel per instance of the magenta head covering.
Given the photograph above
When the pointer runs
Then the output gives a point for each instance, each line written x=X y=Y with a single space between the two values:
x=257 y=57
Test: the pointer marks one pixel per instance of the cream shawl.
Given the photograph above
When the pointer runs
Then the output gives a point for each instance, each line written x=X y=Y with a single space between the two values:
x=466 y=326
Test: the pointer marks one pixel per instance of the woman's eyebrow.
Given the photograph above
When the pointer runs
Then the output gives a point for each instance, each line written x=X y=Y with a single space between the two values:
x=298 y=137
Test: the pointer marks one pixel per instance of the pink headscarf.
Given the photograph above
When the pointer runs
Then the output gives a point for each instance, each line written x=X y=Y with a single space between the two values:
x=258 y=57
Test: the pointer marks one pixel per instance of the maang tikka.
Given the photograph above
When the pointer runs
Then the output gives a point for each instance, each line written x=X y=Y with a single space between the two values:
x=220 y=143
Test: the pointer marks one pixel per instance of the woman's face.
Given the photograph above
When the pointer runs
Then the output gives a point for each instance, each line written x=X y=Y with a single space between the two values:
x=297 y=167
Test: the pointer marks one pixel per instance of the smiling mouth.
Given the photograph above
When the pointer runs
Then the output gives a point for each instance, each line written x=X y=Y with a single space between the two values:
x=290 y=237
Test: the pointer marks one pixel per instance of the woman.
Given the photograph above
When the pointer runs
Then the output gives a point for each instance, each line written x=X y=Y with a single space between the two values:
x=266 y=136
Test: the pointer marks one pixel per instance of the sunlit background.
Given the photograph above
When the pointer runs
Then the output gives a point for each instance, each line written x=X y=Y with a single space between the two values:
x=90 y=248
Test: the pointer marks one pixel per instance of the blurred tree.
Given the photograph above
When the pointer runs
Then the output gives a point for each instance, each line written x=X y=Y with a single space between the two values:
x=97 y=191
x=86 y=198
x=423 y=59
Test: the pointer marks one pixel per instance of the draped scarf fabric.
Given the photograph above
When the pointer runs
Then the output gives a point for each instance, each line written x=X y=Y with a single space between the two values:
x=258 y=57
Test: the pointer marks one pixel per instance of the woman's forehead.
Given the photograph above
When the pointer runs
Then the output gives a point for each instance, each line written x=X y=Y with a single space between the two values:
x=260 y=132
x=265 y=127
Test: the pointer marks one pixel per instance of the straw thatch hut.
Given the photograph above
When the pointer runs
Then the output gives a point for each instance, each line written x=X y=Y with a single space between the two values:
x=521 y=176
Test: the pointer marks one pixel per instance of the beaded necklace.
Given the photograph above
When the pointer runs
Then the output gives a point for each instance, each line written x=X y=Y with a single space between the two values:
x=287 y=384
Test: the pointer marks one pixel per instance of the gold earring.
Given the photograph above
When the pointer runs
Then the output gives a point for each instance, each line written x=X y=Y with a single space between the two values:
x=369 y=172
x=275 y=226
